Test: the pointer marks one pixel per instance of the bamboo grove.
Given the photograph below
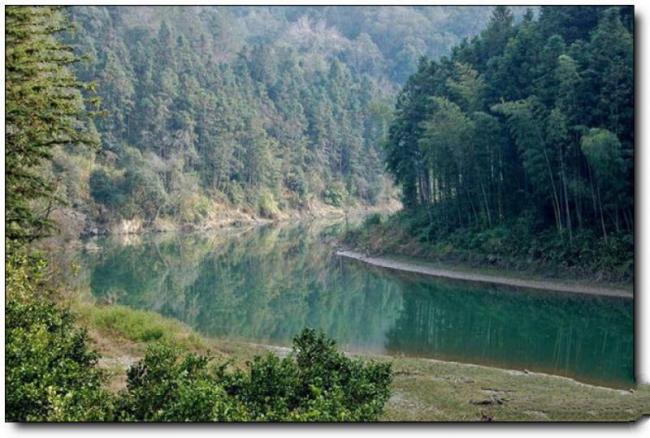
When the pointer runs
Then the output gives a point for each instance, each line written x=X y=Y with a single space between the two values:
x=531 y=120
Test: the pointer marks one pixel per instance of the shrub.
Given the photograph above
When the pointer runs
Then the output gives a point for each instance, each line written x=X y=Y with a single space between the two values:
x=335 y=194
x=236 y=194
x=105 y=189
x=372 y=220
x=163 y=388
x=295 y=181
x=315 y=383
x=267 y=206
x=356 y=392
x=50 y=371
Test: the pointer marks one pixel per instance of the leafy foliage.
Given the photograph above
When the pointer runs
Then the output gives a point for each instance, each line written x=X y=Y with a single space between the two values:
x=50 y=371
x=518 y=244
x=335 y=195
x=315 y=383
x=52 y=377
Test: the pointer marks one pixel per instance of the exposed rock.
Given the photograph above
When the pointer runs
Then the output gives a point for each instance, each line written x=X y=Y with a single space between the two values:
x=128 y=226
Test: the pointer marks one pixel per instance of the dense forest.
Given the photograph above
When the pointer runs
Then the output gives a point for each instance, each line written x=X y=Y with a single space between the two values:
x=268 y=109
x=521 y=142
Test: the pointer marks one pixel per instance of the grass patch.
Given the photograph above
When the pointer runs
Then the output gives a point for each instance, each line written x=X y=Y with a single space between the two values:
x=429 y=390
x=121 y=336
x=122 y=322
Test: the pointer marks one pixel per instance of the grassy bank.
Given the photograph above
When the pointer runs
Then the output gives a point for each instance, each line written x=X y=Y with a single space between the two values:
x=121 y=336
x=422 y=390
x=516 y=250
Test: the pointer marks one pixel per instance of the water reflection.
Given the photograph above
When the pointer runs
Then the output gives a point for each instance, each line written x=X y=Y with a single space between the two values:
x=265 y=285
x=589 y=338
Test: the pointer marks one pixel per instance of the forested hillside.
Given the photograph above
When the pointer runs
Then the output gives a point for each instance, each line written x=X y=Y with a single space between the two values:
x=266 y=109
x=521 y=143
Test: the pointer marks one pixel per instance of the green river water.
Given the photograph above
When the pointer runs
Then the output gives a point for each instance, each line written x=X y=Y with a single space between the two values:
x=264 y=285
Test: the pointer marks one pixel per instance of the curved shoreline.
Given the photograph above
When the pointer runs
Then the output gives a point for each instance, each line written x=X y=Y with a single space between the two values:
x=387 y=263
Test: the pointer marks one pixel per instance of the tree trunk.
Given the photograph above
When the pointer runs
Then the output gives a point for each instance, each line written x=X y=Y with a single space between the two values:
x=602 y=217
x=566 y=203
x=487 y=206
x=556 y=202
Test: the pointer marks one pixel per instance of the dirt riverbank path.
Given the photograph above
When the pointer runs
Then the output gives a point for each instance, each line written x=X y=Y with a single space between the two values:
x=418 y=268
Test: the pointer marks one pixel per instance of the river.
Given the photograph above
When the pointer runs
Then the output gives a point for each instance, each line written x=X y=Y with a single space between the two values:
x=264 y=285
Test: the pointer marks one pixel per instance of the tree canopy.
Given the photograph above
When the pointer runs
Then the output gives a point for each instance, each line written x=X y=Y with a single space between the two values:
x=529 y=119
x=266 y=108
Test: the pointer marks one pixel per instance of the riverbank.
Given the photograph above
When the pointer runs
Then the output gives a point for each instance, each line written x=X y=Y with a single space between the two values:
x=511 y=248
x=422 y=389
x=73 y=224
x=421 y=267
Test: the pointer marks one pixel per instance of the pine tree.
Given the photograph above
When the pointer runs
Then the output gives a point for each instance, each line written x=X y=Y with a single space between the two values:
x=44 y=110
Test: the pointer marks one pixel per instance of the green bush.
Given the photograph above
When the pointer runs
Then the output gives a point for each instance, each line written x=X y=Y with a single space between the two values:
x=105 y=189
x=163 y=388
x=315 y=383
x=335 y=194
x=267 y=206
x=372 y=220
x=295 y=181
x=50 y=371
x=236 y=194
